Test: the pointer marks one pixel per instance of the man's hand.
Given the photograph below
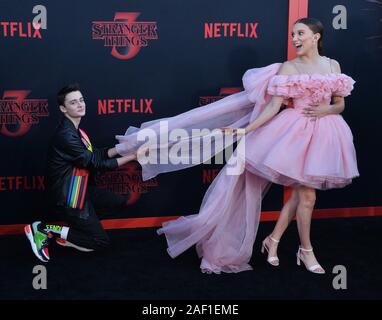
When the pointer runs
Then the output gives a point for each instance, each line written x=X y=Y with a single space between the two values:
x=125 y=159
x=112 y=152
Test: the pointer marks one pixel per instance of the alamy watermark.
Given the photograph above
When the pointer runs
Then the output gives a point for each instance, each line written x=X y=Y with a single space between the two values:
x=40 y=281
x=41 y=19
x=340 y=281
x=181 y=147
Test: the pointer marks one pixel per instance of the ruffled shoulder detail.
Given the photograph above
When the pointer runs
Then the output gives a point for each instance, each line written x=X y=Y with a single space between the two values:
x=342 y=85
x=287 y=86
x=294 y=86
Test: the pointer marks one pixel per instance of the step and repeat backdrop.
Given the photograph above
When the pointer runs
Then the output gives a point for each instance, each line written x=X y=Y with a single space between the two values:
x=138 y=61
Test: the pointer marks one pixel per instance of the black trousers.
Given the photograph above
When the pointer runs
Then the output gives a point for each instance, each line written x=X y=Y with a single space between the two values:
x=85 y=228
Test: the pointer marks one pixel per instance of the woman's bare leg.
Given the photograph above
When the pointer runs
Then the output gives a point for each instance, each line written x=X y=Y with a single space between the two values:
x=288 y=212
x=307 y=199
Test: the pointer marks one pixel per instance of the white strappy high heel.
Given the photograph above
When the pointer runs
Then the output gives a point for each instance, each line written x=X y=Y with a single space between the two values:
x=274 y=261
x=315 y=268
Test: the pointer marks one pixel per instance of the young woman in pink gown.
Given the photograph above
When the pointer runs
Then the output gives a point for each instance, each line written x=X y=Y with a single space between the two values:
x=307 y=146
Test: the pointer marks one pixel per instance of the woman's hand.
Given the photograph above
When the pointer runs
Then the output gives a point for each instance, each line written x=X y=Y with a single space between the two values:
x=316 y=111
x=142 y=152
x=233 y=131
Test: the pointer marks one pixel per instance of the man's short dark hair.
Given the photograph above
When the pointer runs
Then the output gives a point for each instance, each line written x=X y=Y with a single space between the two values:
x=65 y=90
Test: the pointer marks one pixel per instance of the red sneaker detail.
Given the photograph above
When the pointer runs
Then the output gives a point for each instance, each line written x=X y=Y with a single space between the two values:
x=46 y=252
x=60 y=240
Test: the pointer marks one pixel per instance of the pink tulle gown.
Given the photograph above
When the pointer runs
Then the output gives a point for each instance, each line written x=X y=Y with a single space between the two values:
x=289 y=149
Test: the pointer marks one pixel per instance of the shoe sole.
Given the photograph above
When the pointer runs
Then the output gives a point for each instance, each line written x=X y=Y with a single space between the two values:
x=65 y=244
x=31 y=240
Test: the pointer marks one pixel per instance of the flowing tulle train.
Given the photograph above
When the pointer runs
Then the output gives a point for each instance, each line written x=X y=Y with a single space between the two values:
x=225 y=229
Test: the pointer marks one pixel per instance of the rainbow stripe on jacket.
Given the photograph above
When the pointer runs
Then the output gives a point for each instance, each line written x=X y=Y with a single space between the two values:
x=79 y=179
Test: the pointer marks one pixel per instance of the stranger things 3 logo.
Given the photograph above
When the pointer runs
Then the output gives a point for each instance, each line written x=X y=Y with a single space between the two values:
x=18 y=114
x=224 y=92
x=125 y=35
x=126 y=180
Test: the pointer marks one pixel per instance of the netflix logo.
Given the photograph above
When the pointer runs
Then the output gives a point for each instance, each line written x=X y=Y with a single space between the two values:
x=19 y=29
x=15 y=183
x=111 y=106
x=230 y=30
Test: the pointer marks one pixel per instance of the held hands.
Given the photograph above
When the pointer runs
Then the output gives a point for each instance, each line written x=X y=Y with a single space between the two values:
x=130 y=157
x=125 y=159
x=316 y=111
x=142 y=152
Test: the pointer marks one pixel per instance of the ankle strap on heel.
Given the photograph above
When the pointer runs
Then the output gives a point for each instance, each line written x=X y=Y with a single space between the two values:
x=274 y=240
x=305 y=250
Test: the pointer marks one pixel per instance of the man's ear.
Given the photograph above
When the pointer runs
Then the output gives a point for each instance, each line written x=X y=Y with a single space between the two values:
x=63 y=109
